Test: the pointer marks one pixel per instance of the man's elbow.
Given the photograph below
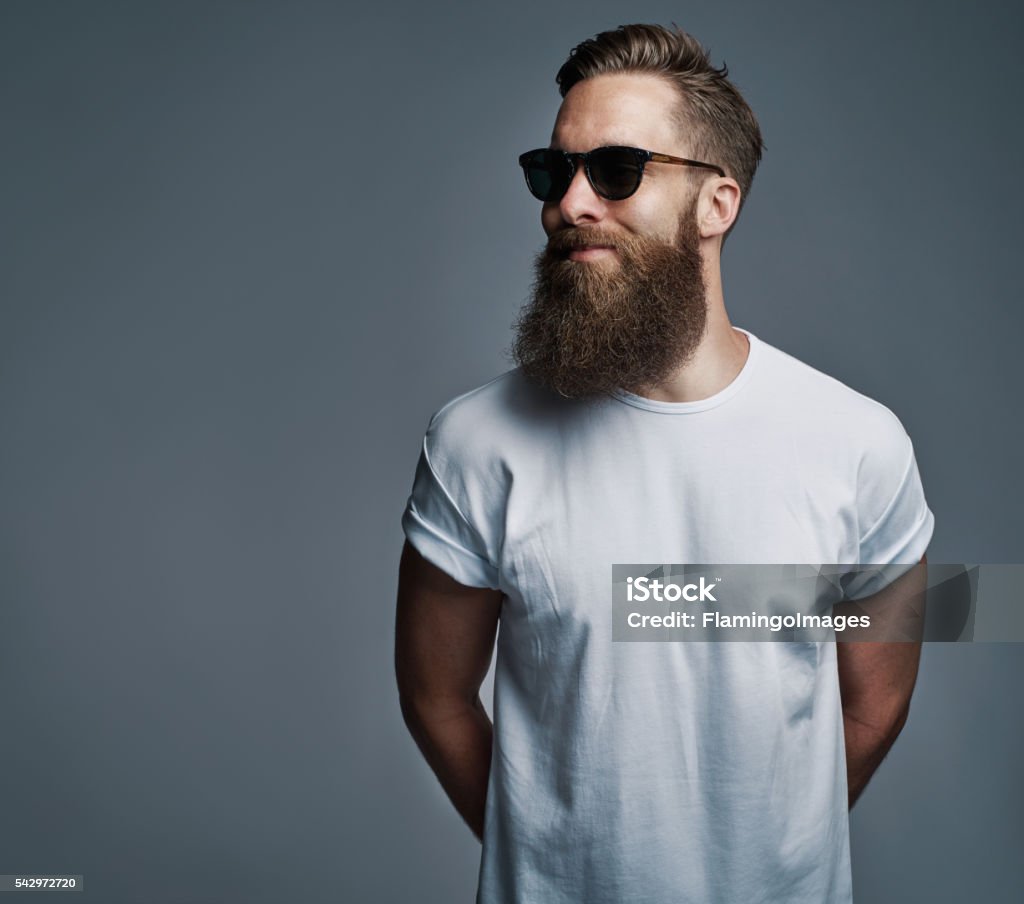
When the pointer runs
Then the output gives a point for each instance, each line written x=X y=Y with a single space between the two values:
x=885 y=724
x=901 y=717
x=421 y=708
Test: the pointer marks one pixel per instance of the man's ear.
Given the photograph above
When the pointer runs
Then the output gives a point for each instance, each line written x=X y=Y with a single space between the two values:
x=718 y=205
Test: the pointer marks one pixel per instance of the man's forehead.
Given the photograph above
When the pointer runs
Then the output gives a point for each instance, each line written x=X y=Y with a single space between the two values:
x=621 y=108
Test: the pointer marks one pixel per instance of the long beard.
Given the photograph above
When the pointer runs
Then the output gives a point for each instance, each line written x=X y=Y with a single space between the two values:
x=594 y=326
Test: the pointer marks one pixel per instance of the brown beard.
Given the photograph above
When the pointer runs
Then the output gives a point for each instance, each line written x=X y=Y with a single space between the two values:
x=594 y=326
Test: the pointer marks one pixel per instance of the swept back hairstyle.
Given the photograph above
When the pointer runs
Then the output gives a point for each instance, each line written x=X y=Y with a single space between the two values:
x=715 y=119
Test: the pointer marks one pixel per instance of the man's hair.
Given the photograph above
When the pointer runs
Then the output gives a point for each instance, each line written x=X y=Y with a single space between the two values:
x=719 y=125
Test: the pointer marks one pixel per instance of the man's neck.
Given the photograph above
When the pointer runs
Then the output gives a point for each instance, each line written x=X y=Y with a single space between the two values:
x=722 y=351
x=715 y=364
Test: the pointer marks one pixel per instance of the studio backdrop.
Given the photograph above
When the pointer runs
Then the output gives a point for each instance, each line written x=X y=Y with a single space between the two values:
x=250 y=248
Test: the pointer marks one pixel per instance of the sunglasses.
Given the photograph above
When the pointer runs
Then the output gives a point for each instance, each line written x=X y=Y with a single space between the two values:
x=613 y=172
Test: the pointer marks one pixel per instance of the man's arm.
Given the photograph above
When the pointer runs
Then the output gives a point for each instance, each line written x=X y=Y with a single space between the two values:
x=876 y=679
x=444 y=637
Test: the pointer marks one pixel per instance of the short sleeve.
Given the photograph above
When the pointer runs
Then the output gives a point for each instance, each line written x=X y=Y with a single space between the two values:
x=897 y=524
x=434 y=524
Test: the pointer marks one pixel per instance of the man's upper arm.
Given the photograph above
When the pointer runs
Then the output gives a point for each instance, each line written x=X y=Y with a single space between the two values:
x=444 y=633
x=876 y=678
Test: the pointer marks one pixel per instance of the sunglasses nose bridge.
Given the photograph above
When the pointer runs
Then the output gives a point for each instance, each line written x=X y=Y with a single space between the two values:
x=570 y=160
x=584 y=164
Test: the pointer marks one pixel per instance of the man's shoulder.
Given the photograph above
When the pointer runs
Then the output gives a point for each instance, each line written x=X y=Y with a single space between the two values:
x=497 y=402
x=823 y=402
x=501 y=414
x=489 y=398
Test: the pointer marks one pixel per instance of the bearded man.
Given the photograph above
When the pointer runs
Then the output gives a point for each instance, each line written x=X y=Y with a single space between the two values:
x=641 y=426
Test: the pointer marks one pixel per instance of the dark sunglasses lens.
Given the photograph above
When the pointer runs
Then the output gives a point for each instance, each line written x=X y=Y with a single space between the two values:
x=548 y=175
x=616 y=172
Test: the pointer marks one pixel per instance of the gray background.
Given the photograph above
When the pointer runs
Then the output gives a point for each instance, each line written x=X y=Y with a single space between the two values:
x=248 y=249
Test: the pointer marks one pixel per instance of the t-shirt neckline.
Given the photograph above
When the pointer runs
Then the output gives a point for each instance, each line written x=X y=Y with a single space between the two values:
x=723 y=395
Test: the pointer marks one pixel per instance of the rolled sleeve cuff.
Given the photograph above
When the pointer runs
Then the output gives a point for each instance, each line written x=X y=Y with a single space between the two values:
x=456 y=561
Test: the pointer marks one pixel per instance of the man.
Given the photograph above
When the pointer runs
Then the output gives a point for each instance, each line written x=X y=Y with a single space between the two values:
x=641 y=426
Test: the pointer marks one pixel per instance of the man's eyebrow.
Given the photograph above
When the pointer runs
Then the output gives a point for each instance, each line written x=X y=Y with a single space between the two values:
x=610 y=143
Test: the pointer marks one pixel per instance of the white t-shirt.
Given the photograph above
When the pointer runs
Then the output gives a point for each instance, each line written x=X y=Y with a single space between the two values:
x=662 y=773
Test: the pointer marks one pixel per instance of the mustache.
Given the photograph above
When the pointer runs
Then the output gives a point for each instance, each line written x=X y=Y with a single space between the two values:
x=572 y=238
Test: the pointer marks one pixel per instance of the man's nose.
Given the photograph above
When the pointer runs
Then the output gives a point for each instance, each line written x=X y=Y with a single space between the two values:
x=581 y=204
